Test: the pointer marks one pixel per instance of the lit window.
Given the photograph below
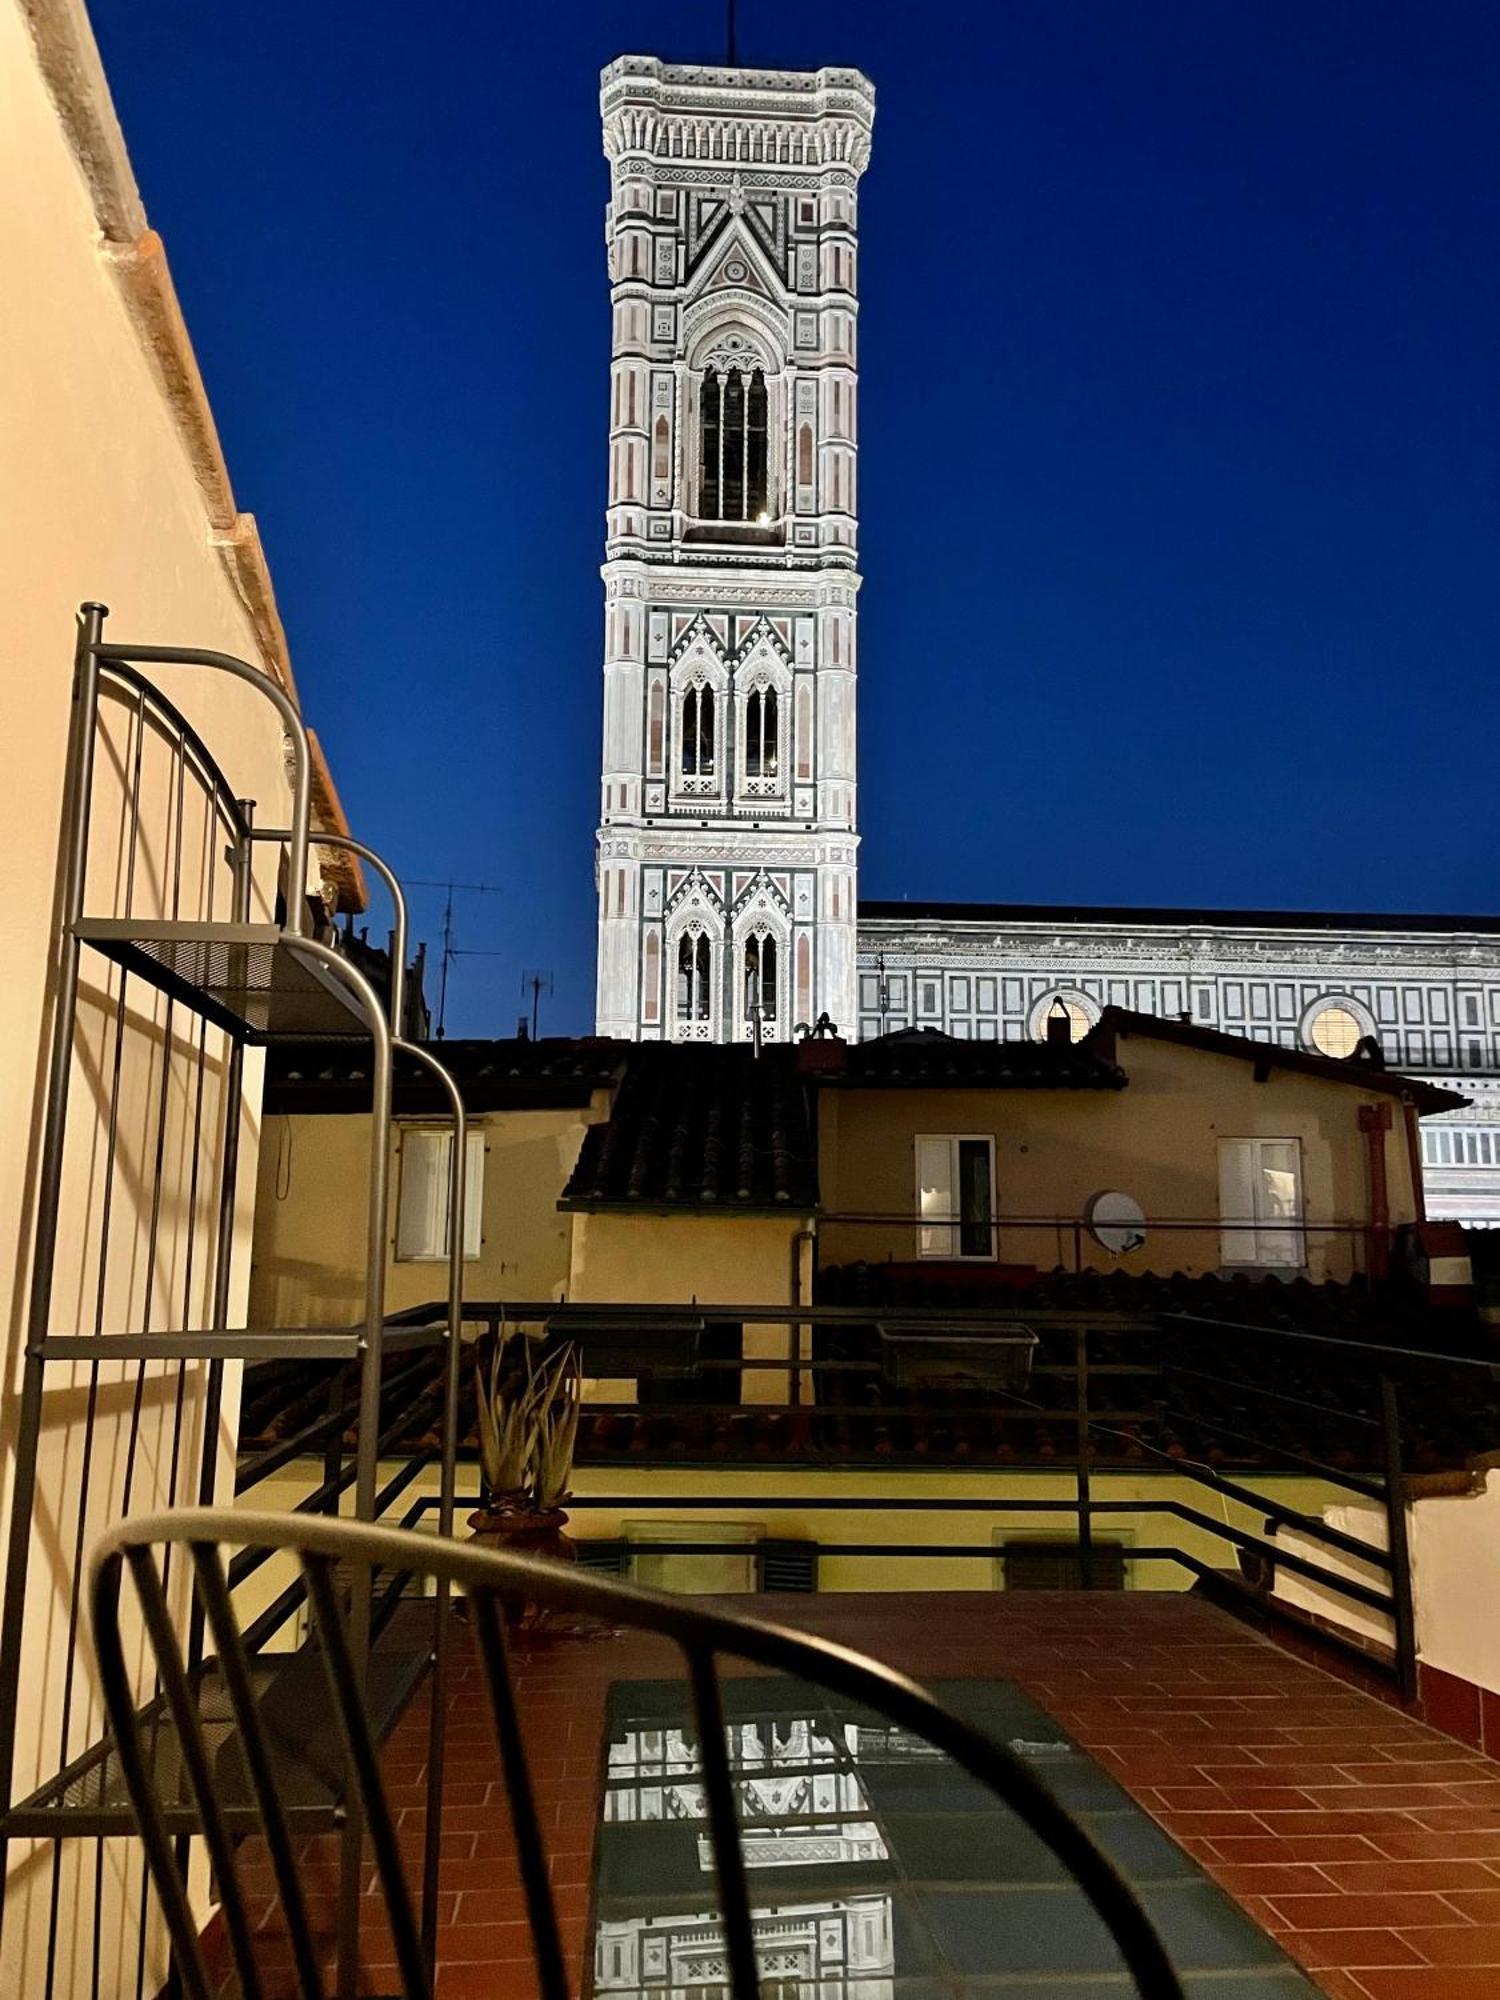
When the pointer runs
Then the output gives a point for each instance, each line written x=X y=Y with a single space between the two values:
x=1260 y=1202
x=693 y=970
x=422 y=1220
x=760 y=977
x=732 y=465
x=955 y=1197
x=1334 y=1031
x=698 y=732
x=1080 y=1019
x=761 y=754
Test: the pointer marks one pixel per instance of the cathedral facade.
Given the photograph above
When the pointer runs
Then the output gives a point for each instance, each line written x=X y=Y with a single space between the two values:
x=1424 y=989
x=728 y=835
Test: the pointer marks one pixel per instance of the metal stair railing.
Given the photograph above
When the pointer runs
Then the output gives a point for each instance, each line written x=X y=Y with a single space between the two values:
x=493 y=1584
x=254 y=982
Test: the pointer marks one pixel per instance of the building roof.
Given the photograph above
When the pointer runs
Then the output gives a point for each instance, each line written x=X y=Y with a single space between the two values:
x=553 y=1073
x=926 y=1058
x=1116 y=1023
x=698 y=1124
x=1147 y=916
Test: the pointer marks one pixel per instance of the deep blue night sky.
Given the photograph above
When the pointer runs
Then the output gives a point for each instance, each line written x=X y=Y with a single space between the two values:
x=1179 y=421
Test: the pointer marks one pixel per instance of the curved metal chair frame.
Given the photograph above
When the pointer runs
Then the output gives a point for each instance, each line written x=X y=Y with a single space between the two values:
x=492 y=1581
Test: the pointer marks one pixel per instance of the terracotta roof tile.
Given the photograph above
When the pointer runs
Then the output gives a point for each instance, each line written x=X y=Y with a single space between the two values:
x=701 y=1125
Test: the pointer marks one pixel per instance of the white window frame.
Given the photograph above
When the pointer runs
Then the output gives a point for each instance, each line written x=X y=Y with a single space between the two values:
x=939 y=1241
x=426 y=1155
x=1250 y=1239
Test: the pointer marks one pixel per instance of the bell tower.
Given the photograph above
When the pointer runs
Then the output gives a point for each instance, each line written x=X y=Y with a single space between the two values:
x=728 y=835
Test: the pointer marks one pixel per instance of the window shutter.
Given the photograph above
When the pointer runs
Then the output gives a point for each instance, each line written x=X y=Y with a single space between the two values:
x=422 y=1220
x=604 y=1555
x=1059 y=1566
x=784 y=1565
x=935 y=1196
x=1237 y=1200
x=473 y=1193
x=424 y=1194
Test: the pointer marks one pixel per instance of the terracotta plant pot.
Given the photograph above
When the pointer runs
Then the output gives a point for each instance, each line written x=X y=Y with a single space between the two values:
x=524 y=1531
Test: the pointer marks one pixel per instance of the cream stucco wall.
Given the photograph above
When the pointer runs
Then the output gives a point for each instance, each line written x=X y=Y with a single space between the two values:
x=310 y=1210
x=111 y=488
x=1156 y=1140
x=1454 y=1542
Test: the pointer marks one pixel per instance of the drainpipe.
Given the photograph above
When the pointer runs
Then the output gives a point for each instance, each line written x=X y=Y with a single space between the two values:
x=1375 y=1122
x=808 y=1237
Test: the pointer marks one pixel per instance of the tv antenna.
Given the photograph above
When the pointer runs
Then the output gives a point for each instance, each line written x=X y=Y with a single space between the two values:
x=536 y=984
x=450 y=950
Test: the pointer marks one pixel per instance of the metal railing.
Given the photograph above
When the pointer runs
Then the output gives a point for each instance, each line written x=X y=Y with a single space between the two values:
x=202 y=952
x=1209 y=1403
x=493 y=1583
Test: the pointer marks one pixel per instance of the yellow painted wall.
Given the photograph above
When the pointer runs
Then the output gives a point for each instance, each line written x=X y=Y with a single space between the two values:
x=1156 y=1140
x=767 y=1498
x=103 y=495
x=309 y=1266
x=652 y=1259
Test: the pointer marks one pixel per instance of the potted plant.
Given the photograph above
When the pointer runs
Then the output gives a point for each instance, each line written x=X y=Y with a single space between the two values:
x=528 y=1427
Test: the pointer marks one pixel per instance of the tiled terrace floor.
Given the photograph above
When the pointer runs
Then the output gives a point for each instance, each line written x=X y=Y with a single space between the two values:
x=1364 y=1841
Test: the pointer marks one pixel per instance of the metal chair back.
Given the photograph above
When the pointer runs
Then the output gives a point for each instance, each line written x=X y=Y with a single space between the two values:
x=494 y=1585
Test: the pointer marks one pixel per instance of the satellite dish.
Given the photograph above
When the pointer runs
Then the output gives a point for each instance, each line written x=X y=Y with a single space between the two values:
x=1117 y=1222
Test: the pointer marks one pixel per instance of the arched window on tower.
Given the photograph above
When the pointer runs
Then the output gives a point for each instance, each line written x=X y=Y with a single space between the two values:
x=761 y=982
x=734 y=454
x=698 y=731
x=693 y=971
x=762 y=745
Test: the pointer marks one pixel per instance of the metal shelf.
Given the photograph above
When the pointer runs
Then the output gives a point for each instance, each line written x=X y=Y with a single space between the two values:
x=285 y=1343
x=248 y=979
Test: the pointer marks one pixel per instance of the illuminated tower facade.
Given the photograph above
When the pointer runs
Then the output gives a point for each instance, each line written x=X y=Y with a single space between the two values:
x=728 y=839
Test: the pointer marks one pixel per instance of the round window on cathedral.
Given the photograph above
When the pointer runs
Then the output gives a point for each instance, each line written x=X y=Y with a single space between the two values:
x=1080 y=1016
x=1334 y=1031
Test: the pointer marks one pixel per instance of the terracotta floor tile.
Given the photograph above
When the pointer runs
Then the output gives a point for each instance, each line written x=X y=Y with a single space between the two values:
x=1459 y=1944
x=1424 y=1846
x=1430 y=1982
x=1313 y=1847
x=1378 y=1877
x=1480 y=1906
x=1348 y=1949
x=1336 y=1912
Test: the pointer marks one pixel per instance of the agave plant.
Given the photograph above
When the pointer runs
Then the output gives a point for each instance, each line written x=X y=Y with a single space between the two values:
x=528 y=1423
x=555 y=1428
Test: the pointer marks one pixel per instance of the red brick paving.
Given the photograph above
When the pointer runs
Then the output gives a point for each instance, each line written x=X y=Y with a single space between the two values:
x=1366 y=1842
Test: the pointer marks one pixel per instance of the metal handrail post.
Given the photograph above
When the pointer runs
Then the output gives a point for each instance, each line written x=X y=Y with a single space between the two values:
x=366 y=1449
x=447 y=1486
x=73 y=868
x=1403 y=1611
x=347 y=844
x=1083 y=1475
x=296 y=729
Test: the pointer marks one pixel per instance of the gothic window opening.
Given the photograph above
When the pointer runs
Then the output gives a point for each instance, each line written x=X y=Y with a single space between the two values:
x=761 y=983
x=732 y=472
x=762 y=758
x=698 y=732
x=693 y=974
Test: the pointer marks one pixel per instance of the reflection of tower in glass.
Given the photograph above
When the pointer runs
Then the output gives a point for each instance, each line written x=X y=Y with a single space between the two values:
x=802 y=1806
